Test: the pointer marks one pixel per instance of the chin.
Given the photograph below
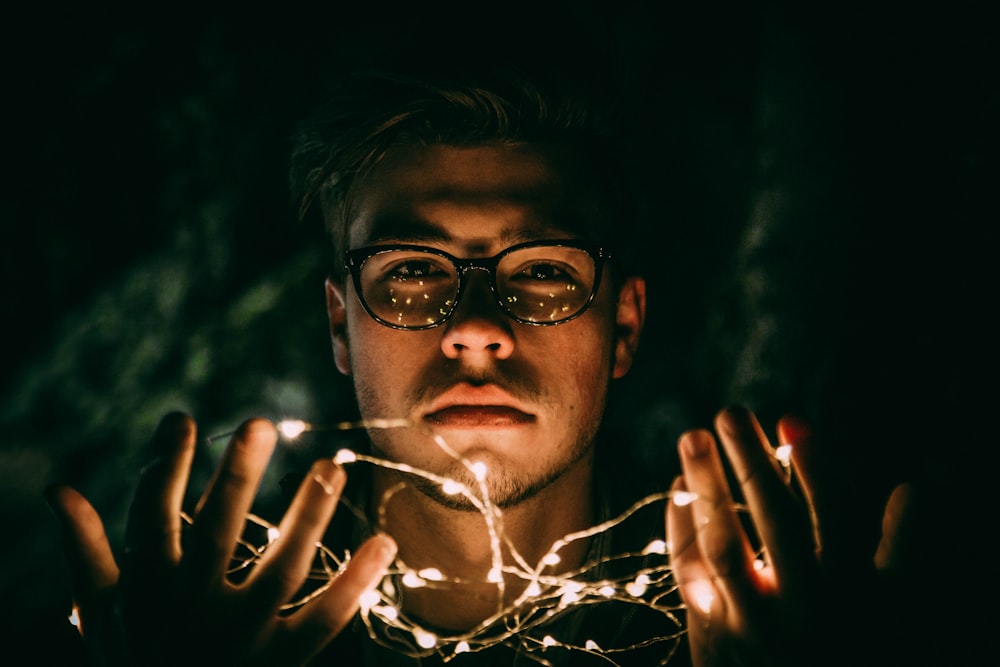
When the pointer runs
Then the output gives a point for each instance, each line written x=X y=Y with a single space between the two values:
x=504 y=489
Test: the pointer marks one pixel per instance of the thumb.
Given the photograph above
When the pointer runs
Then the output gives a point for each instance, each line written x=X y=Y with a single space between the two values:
x=898 y=530
x=92 y=568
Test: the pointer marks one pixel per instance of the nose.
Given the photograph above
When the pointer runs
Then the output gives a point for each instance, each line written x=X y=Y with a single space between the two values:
x=478 y=331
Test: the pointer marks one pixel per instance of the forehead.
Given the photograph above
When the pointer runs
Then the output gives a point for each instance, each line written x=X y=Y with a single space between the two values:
x=479 y=197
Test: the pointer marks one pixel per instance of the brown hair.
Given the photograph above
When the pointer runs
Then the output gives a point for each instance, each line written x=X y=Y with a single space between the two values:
x=371 y=110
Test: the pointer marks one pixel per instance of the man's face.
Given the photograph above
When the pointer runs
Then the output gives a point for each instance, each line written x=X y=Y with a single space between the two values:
x=524 y=400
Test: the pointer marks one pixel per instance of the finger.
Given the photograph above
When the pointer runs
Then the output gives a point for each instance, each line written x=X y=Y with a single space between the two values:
x=690 y=571
x=780 y=520
x=305 y=633
x=153 y=535
x=796 y=432
x=899 y=535
x=721 y=540
x=221 y=515
x=286 y=562
x=702 y=599
x=92 y=568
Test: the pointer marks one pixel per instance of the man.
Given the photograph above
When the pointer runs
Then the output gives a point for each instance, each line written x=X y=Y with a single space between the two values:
x=482 y=302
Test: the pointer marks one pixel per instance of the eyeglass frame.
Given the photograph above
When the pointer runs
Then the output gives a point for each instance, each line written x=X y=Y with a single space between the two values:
x=355 y=259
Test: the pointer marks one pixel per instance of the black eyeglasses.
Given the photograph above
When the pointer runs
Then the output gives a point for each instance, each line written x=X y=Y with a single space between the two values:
x=414 y=287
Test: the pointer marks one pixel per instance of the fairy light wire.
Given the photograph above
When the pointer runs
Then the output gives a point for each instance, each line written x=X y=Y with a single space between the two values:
x=546 y=597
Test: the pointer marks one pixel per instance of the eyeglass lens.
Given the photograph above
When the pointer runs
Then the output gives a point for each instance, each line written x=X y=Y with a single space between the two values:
x=541 y=284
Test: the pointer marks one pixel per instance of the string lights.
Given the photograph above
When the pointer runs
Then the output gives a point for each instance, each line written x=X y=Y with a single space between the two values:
x=546 y=597
x=529 y=622
x=642 y=579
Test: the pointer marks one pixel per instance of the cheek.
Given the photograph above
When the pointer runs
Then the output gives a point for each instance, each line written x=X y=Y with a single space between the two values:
x=382 y=357
x=366 y=348
x=582 y=363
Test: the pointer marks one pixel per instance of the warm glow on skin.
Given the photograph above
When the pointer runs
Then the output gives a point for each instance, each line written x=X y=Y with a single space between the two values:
x=703 y=595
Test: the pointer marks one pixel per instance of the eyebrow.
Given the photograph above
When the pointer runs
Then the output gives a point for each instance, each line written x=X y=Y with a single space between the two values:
x=408 y=229
x=396 y=228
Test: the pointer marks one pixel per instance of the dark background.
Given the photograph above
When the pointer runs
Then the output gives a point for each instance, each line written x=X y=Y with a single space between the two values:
x=814 y=196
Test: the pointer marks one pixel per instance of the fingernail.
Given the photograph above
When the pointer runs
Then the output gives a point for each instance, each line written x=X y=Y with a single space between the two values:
x=257 y=426
x=386 y=547
x=174 y=427
x=694 y=444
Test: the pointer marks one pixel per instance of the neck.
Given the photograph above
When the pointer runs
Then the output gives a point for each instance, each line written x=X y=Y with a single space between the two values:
x=466 y=545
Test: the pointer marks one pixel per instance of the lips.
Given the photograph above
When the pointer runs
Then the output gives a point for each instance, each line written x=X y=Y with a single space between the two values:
x=478 y=415
x=465 y=405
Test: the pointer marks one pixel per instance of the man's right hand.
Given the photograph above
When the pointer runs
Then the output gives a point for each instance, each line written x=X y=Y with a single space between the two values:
x=169 y=601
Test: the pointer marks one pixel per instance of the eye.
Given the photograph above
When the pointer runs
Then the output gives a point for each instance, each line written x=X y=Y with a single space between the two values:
x=415 y=268
x=540 y=271
x=401 y=266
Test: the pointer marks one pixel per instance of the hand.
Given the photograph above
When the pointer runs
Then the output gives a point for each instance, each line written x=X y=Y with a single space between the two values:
x=765 y=584
x=170 y=602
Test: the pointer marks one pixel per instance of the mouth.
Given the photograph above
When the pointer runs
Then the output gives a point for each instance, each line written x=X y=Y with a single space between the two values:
x=468 y=406
x=478 y=415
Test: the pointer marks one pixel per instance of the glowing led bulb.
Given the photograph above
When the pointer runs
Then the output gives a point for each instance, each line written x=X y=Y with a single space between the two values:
x=387 y=612
x=591 y=645
x=462 y=647
x=431 y=574
x=424 y=639
x=291 y=428
x=637 y=587
x=655 y=547
x=451 y=487
x=607 y=591
x=549 y=640
x=784 y=455
x=551 y=559
x=368 y=599
x=345 y=456
x=682 y=498
x=572 y=586
x=494 y=576
x=533 y=590
x=570 y=592
x=74 y=617
x=568 y=598
x=412 y=580
x=272 y=534
x=479 y=469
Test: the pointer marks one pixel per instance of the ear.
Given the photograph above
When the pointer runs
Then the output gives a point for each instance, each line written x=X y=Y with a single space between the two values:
x=336 y=311
x=629 y=320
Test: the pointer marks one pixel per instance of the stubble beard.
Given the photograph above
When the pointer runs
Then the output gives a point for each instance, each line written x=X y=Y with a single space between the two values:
x=502 y=487
x=505 y=489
